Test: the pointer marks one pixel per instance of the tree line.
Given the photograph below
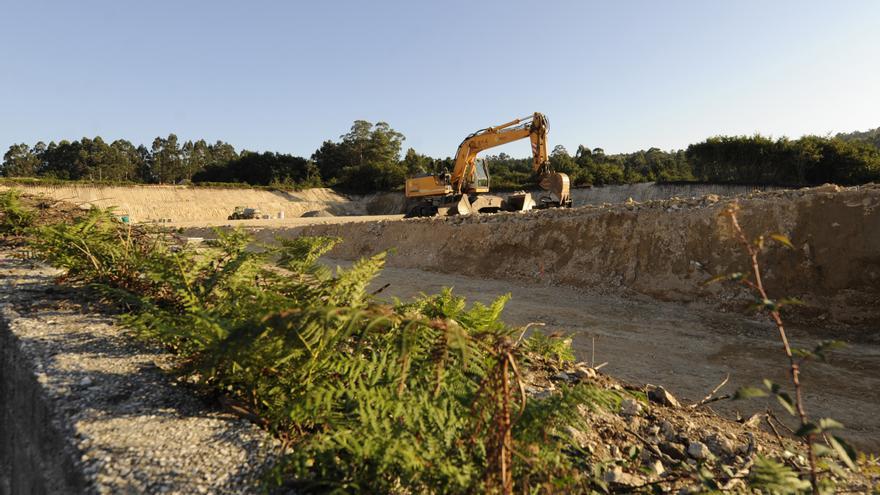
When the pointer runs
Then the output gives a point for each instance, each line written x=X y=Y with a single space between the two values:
x=368 y=158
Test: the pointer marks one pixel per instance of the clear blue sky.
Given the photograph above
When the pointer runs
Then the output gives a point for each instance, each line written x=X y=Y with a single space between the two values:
x=284 y=76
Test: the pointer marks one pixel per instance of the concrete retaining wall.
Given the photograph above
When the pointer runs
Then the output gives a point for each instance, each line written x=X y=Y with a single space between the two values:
x=84 y=408
x=35 y=456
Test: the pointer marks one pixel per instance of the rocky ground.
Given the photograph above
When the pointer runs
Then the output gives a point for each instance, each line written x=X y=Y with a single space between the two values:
x=648 y=441
x=689 y=348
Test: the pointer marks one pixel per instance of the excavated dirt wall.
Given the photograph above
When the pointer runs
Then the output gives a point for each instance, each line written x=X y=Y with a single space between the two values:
x=187 y=203
x=664 y=249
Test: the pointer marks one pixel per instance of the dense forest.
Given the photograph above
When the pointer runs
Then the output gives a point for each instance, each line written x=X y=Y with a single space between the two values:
x=369 y=158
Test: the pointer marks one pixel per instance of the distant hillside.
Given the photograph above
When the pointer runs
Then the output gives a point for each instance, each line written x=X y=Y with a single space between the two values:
x=872 y=136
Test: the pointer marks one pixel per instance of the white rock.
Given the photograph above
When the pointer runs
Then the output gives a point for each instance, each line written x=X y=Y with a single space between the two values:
x=662 y=396
x=658 y=468
x=630 y=407
x=619 y=477
x=699 y=450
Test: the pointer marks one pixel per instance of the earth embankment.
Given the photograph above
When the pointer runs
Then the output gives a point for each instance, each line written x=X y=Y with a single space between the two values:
x=182 y=204
x=665 y=249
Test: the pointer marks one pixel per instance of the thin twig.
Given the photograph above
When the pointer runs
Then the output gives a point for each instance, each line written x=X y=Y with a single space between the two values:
x=526 y=329
x=707 y=399
x=775 y=431
x=593 y=351
x=780 y=423
x=380 y=289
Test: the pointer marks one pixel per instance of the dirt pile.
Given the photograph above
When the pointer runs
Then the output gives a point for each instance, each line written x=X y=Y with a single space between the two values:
x=665 y=249
x=651 y=191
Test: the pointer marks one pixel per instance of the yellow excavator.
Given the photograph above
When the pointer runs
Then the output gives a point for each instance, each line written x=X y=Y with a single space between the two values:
x=463 y=191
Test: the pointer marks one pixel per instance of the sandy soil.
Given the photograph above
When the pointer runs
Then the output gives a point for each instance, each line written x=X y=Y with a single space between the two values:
x=212 y=205
x=689 y=348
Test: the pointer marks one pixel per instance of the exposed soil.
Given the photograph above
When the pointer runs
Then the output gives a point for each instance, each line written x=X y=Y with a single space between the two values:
x=664 y=249
x=687 y=348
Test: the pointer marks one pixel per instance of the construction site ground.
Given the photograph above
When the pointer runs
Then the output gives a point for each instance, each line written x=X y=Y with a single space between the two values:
x=625 y=278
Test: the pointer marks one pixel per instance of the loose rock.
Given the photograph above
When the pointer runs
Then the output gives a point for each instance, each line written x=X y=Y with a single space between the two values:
x=662 y=396
x=699 y=451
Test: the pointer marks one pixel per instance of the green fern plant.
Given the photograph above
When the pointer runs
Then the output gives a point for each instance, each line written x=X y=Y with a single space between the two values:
x=15 y=218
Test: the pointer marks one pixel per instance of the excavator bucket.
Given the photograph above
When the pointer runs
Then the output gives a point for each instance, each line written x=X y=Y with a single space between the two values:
x=463 y=207
x=561 y=188
x=521 y=201
x=558 y=185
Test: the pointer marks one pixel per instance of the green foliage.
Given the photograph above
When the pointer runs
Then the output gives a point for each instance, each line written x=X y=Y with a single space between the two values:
x=281 y=170
x=367 y=159
x=420 y=397
x=370 y=396
x=593 y=167
x=810 y=160
x=774 y=478
x=554 y=348
x=871 y=136
x=15 y=218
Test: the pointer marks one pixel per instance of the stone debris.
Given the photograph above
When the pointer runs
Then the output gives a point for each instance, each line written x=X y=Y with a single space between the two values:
x=699 y=451
x=664 y=248
x=619 y=477
x=583 y=372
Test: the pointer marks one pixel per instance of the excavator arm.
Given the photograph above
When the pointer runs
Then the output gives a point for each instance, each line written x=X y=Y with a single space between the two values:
x=535 y=128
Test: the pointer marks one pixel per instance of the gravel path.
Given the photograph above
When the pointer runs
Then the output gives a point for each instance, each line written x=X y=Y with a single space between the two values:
x=130 y=427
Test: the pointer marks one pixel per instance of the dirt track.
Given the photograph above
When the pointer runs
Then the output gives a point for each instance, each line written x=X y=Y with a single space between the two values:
x=689 y=348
